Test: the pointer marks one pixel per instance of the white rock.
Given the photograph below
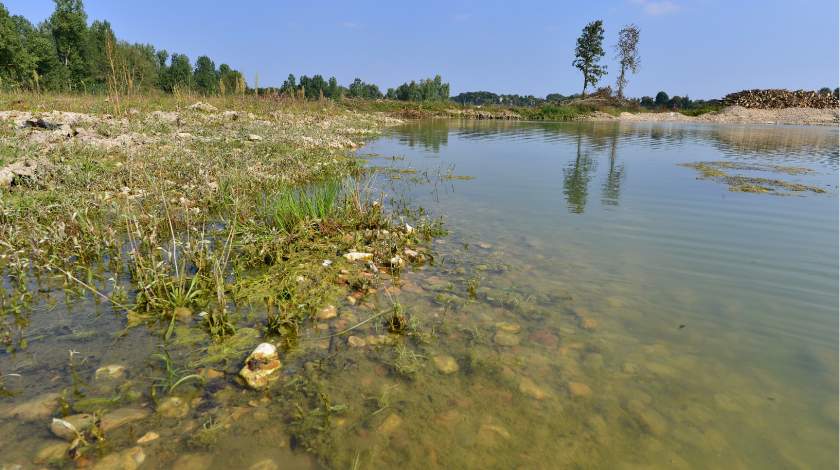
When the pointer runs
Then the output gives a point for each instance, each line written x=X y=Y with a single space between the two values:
x=357 y=256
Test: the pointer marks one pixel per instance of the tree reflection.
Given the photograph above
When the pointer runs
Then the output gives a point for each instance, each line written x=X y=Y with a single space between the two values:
x=576 y=178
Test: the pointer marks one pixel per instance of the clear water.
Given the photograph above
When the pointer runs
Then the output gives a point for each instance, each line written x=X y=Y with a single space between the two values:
x=625 y=315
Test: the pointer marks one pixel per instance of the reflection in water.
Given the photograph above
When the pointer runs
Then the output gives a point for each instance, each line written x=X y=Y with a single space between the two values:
x=611 y=190
x=576 y=178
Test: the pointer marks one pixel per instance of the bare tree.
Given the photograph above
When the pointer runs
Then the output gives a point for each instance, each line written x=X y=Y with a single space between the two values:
x=627 y=52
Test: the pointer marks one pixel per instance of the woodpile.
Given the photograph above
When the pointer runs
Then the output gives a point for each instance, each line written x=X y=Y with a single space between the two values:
x=779 y=99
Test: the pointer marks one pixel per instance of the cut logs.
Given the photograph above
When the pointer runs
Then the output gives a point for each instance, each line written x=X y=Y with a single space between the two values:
x=779 y=99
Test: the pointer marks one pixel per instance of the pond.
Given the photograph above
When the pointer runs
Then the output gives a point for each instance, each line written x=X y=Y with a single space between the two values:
x=596 y=304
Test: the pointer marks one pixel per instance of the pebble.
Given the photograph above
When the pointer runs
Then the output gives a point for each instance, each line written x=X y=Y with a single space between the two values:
x=266 y=464
x=578 y=389
x=545 y=338
x=506 y=339
x=528 y=388
x=508 y=327
x=259 y=377
x=599 y=427
x=400 y=441
x=391 y=424
x=661 y=369
x=490 y=435
x=594 y=361
x=382 y=369
x=350 y=300
x=126 y=460
x=725 y=403
x=32 y=410
x=485 y=246
x=327 y=313
x=52 y=451
x=412 y=289
x=446 y=364
x=355 y=341
x=173 y=407
x=588 y=324
x=447 y=417
x=111 y=372
x=652 y=422
x=193 y=462
x=148 y=437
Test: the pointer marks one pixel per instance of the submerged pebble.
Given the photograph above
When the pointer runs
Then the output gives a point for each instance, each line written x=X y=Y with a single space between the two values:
x=504 y=338
x=446 y=364
x=528 y=388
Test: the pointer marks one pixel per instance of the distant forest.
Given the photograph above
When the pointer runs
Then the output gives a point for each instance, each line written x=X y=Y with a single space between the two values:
x=65 y=53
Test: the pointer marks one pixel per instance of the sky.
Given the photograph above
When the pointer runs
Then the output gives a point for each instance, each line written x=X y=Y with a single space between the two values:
x=700 y=48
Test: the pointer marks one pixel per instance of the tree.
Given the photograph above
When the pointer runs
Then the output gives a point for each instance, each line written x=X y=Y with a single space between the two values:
x=825 y=91
x=588 y=52
x=17 y=63
x=290 y=85
x=333 y=92
x=69 y=32
x=180 y=72
x=661 y=98
x=646 y=101
x=357 y=88
x=204 y=76
x=837 y=92
x=628 y=55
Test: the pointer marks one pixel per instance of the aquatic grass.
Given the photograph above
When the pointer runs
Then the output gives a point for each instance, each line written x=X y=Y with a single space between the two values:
x=288 y=207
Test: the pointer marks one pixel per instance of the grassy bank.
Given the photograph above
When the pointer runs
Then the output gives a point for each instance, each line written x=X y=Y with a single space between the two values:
x=171 y=213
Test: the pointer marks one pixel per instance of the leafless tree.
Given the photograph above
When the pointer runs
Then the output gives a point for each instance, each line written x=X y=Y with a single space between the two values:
x=628 y=54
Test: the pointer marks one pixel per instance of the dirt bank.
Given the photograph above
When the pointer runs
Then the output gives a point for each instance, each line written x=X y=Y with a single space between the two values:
x=736 y=115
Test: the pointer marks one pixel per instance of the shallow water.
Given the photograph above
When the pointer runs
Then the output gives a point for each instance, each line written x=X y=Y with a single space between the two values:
x=624 y=315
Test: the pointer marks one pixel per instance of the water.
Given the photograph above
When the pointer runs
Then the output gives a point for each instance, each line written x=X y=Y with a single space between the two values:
x=625 y=315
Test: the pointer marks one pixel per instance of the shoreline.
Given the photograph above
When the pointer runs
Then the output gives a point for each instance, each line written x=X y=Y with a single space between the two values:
x=735 y=115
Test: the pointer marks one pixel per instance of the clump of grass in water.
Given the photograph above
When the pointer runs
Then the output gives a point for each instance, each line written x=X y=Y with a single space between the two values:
x=407 y=362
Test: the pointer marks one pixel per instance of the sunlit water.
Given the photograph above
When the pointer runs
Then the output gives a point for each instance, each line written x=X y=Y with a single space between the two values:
x=625 y=315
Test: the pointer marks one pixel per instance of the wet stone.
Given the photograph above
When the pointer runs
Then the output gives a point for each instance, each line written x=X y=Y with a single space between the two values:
x=725 y=403
x=32 y=410
x=266 y=464
x=327 y=313
x=112 y=372
x=490 y=435
x=173 y=407
x=528 y=388
x=446 y=364
x=578 y=389
x=52 y=451
x=400 y=441
x=193 y=462
x=261 y=367
x=78 y=421
x=445 y=418
x=148 y=437
x=545 y=338
x=588 y=324
x=652 y=422
x=125 y=415
x=118 y=461
x=391 y=424
x=594 y=361
x=355 y=341
x=506 y=339
x=510 y=328
x=661 y=369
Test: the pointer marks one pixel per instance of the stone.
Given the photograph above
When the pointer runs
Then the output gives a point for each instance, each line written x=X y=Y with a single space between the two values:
x=112 y=372
x=203 y=107
x=173 y=407
x=504 y=338
x=355 y=341
x=128 y=459
x=193 y=462
x=391 y=424
x=446 y=364
x=266 y=464
x=410 y=255
x=350 y=300
x=52 y=451
x=485 y=246
x=725 y=403
x=661 y=369
x=588 y=324
x=354 y=256
x=635 y=407
x=254 y=138
x=148 y=437
x=652 y=422
x=599 y=428
x=126 y=415
x=490 y=435
x=447 y=417
x=327 y=313
x=593 y=361
x=400 y=441
x=396 y=261
x=63 y=428
x=545 y=338
x=578 y=389
x=261 y=367
x=38 y=408
x=528 y=388
x=629 y=368
x=508 y=327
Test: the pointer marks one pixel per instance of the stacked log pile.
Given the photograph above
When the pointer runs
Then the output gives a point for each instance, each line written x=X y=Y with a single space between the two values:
x=779 y=99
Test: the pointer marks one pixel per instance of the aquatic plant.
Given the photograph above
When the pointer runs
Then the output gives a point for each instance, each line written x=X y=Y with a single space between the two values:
x=173 y=377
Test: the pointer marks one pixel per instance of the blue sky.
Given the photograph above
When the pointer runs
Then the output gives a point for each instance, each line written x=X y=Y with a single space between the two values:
x=702 y=48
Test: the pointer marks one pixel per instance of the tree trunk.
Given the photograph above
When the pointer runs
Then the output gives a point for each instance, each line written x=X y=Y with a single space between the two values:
x=583 y=95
